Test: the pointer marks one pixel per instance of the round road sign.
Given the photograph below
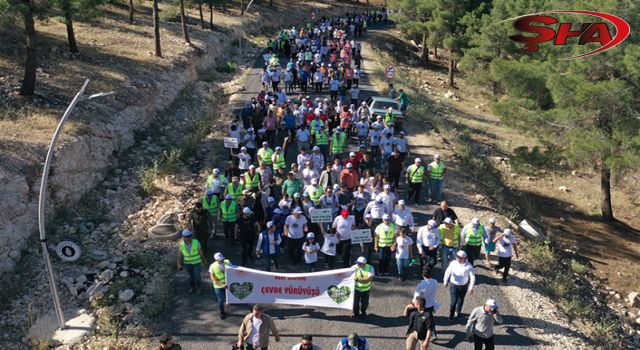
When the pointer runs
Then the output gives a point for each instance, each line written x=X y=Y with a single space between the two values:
x=390 y=72
x=68 y=251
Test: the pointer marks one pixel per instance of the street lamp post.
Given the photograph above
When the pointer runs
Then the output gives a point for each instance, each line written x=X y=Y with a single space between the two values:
x=43 y=196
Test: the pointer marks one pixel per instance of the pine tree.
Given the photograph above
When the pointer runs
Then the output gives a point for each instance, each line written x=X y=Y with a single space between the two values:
x=412 y=18
x=76 y=10
x=156 y=29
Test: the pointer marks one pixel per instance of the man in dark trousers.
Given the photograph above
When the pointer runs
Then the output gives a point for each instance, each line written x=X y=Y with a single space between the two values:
x=200 y=225
x=420 y=320
x=395 y=168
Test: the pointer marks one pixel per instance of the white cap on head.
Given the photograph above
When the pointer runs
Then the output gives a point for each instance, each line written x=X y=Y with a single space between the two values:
x=401 y=202
x=218 y=256
x=352 y=154
x=437 y=156
x=349 y=166
x=361 y=260
x=336 y=187
x=216 y=171
x=386 y=217
x=297 y=210
x=431 y=223
x=311 y=235
x=461 y=254
x=507 y=231
x=252 y=166
x=247 y=210
x=316 y=148
x=492 y=220
x=271 y=200
x=243 y=148
x=475 y=221
x=314 y=181
x=269 y=224
x=448 y=221
x=417 y=160
x=491 y=303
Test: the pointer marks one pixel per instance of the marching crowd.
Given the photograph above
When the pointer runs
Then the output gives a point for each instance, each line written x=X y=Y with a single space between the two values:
x=265 y=205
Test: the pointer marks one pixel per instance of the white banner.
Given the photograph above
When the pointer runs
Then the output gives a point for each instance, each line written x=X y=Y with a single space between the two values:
x=230 y=142
x=320 y=215
x=361 y=236
x=333 y=288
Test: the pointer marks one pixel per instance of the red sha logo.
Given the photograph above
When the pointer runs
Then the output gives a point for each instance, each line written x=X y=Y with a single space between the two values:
x=588 y=32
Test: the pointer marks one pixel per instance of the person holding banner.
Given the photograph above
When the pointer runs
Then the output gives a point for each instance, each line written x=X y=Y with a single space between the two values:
x=386 y=234
x=254 y=330
x=269 y=245
x=216 y=273
x=364 y=278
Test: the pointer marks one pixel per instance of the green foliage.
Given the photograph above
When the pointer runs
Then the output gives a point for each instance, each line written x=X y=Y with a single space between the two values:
x=171 y=161
x=530 y=162
x=147 y=176
x=579 y=268
x=227 y=67
x=170 y=14
x=541 y=258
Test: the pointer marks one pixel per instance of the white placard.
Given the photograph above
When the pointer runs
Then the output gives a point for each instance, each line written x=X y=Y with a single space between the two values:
x=320 y=215
x=361 y=236
x=333 y=288
x=230 y=142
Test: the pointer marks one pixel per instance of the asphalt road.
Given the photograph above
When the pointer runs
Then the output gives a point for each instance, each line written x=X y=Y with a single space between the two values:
x=195 y=323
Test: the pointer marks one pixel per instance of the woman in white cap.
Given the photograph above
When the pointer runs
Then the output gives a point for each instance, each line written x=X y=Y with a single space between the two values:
x=480 y=325
x=506 y=245
x=460 y=280
x=216 y=273
x=310 y=248
x=268 y=245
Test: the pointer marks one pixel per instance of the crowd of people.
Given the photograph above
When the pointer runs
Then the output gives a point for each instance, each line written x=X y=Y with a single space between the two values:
x=264 y=204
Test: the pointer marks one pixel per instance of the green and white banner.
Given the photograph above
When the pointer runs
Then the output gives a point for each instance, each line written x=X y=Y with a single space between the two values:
x=333 y=288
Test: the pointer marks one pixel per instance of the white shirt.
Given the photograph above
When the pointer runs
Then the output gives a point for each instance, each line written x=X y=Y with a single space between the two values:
x=355 y=93
x=317 y=77
x=504 y=246
x=329 y=245
x=254 y=338
x=302 y=160
x=460 y=274
x=386 y=144
x=427 y=237
x=318 y=161
x=363 y=128
x=308 y=174
x=244 y=161
x=295 y=226
x=303 y=135
x=427 y=289
x=310 y=257
x=376 y=210
x=403 y=244
x=343 y=226
x=374 y=136
x=272 y=247
x=401 y=144
x=216 y=184
x=249 y=140
x=388 y=199
x=403 y=217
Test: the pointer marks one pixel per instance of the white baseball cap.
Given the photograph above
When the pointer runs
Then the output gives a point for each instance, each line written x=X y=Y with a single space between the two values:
x=243 y=148
x=297 y=210
x=247 y=210
x=401 y=202
x=311 y=235
x=336 y=187
x=361 y=260
x=491 y=303
x=316 y=148
x=269 y=224
x=492 y=220
x=387 y=187
x=252 y=166
x=216 y=171
x=417 y=160
x=352 y=154
x=475 y=221
x=508 y=232
x=265 y=143
x=437 y=156
x=314 y=181
x=461 y=254
x=448 y=221
x=431 y=222
x=271 y=200
x=349 y=166
x=278 y=148
x=385 y=217
x=218 y=256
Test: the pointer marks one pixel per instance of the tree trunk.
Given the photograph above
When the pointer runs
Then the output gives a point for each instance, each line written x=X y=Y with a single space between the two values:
x=183 y=19
x=605 y=189
x=270 y=2
x=130 y=11
x=28 y=87
x=424 y=55
x=201 y=16
x=156 y=29
x=241 y=7
x=435 y=52
x=210 y=16
x=452 y=64
x=71 y=37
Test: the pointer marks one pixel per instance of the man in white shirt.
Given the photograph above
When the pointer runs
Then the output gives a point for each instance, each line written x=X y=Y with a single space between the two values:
x=343 y=224
x=401 y=145
x=460 y=279
x=403 y=217
x=318 y=159
x=505 y=244
x=244 y=159
x=302 y=158
x=303 y=136
x=389 y=198
x=428 y=240
x=294 y=228
x=377 y=210
x=428 y=289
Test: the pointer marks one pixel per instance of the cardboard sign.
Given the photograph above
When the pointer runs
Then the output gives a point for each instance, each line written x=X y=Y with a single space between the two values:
x=361 y=236
x=320 y=215
x=230 y=142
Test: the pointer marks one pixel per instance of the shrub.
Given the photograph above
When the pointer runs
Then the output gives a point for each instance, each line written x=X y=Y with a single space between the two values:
x=541 y=258
x=171 y=161
x=227 y=67
x=171 y=14
x=147 y=176
x=579 y=268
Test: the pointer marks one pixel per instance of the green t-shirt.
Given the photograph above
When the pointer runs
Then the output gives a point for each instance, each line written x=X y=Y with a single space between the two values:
x=404 y=100
x=292 y=187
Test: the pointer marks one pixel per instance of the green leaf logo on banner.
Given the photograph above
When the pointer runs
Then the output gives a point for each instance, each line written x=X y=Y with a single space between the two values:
x=339 y=294
x=241 y=290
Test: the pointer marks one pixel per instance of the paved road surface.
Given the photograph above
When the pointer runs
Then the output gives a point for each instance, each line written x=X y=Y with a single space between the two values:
x=194 y=318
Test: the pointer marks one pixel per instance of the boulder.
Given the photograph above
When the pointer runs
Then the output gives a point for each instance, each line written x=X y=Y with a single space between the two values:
x=634 y=299
x=126 y=295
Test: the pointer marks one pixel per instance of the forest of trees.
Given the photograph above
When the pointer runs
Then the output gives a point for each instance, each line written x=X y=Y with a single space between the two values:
x=586 y=110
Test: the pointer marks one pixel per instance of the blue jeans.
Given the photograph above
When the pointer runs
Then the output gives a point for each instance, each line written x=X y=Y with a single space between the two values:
x=435 y=189
x=402 y=265
x=221 y=296
x=384 y=258
x=271 y=258
x=193 y=270
x=457 y=294
x=447 y=255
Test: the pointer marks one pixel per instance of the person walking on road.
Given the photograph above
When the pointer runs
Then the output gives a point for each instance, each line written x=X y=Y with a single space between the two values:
x=436 y=170
x=415 y=177
x=343 y=224
x=506 y=245
x=294 y=229
x=386 y=234
x=489 y=245
x=472 y=236
x=248 y=226
x=200 y=225
x=449 y=240
x=480 y=325
x=216 y=273
x=428 y=241
x=353 y=342
x=306 y=344
x=269 y=245
x=460 y=279
x=428 y=289
x=310 y=248
x=364 y=278
x=229 y=212
x=420 y=320
x=442 y=212
x=191 y=258
x=254 y=330
x=404 y=253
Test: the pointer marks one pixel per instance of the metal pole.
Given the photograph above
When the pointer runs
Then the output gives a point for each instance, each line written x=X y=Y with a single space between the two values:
x=41 y=203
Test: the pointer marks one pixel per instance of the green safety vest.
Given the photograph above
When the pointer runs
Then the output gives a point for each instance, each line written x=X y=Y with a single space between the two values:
x=307 y=56
x=191 y=257
x=238 y=193
x=456 y=234
x=385 y=239
x=315 y=195
x=321 y=138
x=210 y=181
x=473 y=237
x=436 y=170
x=315 y=125
x=416 y=175
x=364 y=272
x=337 y=146
x=280 y=164
x=211 y=206
x=219 y=273
x=251 y=183
x=389 y=118
x=265 y=156
x=229 y=213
